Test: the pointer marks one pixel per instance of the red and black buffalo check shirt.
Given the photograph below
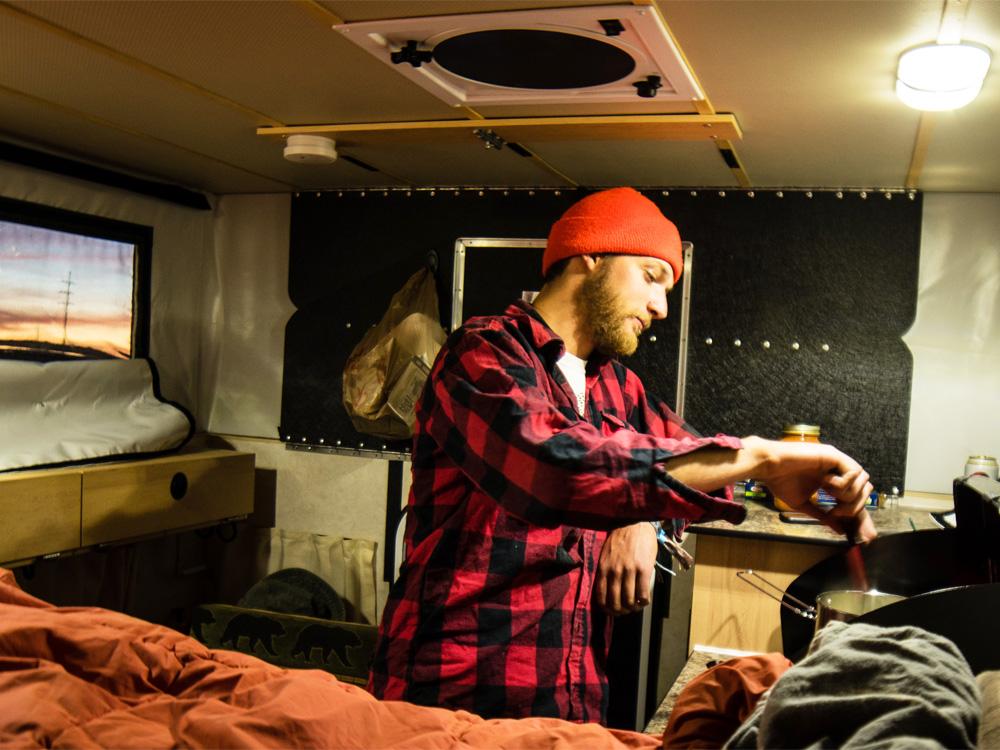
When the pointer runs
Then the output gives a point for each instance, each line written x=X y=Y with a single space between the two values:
x=513 y=494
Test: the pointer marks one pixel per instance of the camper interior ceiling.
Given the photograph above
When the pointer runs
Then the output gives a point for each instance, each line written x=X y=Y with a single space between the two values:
x=212 y=212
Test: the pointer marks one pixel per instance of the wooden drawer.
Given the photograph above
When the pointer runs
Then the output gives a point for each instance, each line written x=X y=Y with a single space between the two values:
x=40 y=513
x=126 y=500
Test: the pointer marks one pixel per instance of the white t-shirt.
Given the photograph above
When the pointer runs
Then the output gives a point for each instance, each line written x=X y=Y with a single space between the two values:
x=575 y=371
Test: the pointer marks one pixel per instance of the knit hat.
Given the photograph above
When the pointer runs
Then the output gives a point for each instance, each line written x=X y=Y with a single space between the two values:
x=619 y=221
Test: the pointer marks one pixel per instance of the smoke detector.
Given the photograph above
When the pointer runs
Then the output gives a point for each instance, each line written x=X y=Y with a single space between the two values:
x=602 y=53
x=310 y=149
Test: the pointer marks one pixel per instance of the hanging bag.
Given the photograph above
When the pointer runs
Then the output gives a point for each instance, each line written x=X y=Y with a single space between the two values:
x=386 y=371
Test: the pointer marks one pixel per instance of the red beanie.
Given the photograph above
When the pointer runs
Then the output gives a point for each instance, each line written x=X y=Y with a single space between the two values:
x=620 y=221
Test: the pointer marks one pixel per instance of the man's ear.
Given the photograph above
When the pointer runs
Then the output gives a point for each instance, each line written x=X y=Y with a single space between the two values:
x=590 y=261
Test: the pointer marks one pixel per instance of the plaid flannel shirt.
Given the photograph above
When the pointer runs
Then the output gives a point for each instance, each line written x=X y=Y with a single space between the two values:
x=512 y=497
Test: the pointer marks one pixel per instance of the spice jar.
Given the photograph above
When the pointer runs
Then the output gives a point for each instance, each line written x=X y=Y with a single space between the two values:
x=797 y=433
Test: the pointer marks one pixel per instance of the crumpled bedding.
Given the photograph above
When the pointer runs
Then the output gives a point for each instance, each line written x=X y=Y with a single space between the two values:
x=865 y=686
x=85 y=677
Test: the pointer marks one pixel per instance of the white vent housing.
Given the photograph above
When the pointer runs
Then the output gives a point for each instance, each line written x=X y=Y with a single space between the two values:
x=605 y=53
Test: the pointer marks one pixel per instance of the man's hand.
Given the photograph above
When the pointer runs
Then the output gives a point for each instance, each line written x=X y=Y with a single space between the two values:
x=626 y=568
x=794 y=471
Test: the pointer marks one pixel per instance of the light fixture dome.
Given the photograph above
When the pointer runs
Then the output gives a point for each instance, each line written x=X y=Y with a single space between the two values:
x=310 y=149
x=937 y=77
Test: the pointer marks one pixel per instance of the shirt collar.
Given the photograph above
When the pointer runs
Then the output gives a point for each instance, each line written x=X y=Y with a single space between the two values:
x=546 y=341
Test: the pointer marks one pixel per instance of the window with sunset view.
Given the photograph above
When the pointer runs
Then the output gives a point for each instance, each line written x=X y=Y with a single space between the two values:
x=72 y=286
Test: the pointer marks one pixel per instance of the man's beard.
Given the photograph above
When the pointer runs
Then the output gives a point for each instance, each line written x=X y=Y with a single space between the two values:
x=604 y=316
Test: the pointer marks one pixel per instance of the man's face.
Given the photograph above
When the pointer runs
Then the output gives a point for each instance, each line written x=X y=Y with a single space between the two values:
x=621 y=297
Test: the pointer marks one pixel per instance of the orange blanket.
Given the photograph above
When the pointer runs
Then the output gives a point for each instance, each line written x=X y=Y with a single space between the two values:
x=85 y=677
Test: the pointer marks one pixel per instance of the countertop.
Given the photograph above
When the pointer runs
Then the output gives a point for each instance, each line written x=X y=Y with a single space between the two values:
x=763 y=522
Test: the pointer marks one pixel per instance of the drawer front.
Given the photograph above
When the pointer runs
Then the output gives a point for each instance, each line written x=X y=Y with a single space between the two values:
x=40 y=514
x=127 y=500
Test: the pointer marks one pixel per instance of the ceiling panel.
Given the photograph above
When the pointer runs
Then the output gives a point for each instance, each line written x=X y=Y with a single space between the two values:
x=274 y=57
x=34 y=124
x=434 y=164
x=810 y=83
x=638 y=163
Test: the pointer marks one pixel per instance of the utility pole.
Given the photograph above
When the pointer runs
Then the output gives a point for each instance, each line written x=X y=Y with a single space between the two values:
x=66 y=293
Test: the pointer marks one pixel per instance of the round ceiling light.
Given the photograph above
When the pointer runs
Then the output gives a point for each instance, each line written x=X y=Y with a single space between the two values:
x=937 y=77
x=310 y=149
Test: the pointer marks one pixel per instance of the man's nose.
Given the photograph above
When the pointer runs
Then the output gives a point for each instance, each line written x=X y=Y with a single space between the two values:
x=658 y=306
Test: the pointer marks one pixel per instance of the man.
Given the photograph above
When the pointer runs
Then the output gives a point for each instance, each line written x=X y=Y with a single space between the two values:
x=538 y=460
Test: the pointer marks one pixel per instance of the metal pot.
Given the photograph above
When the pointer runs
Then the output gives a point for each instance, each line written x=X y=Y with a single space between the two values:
x=842 y=605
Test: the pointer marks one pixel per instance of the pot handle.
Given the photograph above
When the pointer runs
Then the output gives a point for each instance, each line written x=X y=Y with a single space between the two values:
x=806 y=610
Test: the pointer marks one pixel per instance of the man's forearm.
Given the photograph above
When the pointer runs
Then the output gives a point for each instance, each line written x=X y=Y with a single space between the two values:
x=709 y=469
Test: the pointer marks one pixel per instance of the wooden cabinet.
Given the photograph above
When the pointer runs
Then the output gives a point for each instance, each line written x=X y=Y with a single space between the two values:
x=39 y=513
x=729 y=613
x=56 y=510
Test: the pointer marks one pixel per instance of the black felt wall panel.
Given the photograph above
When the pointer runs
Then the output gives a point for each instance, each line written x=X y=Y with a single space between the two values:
x=839 y=271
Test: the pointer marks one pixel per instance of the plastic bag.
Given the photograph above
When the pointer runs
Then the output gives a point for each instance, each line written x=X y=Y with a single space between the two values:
x=386 y=371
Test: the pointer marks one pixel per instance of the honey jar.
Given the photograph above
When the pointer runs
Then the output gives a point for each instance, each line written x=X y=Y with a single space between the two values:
x=797 y=433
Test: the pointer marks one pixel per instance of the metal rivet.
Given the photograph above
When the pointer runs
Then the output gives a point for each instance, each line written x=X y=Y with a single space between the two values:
x=840 y=193
x=531 y=192
x=318 y=195
x=322 y=440
x=825 y=347
x=864 y=195
x=780 y=194
x=506 y=192
x=664 y=193
x=303 y=440
x=348 y=325
x=456 y=193
x=296 y=195
x=433 y=193
x=340 y=194
x=888 y=195
x=361 y=445
x=809 y=193
x=481 y=193
x=722 y=193
x=751 y=194
x=766 y=344
x=383 y=446
x=338 y=442
x=385 y=193
x=288 y=437
x=737 y=342
x=363 y=193
x=912 y=196
x=694 y=193
x=795 y=346
x=409 y=193
x=653 y=339
x=709 y=341
x=558 y=192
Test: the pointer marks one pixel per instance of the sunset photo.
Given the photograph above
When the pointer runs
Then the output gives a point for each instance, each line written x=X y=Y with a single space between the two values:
x=64 y=295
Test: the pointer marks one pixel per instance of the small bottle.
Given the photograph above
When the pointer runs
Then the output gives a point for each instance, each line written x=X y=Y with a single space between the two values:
x=797 y=433
x=985 y=465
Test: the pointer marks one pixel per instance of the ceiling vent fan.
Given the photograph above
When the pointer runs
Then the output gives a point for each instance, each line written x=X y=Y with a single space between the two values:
x=606 y=53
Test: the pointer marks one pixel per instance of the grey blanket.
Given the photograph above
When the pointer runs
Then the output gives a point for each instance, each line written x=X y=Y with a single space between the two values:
x=864 y=686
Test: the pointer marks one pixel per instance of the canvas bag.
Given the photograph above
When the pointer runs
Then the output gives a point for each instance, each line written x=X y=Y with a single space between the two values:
x=386 y=371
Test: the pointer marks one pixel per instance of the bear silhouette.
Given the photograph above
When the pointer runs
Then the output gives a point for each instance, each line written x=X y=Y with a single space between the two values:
x=199 y=618
x=328 y=639
x=256 y=628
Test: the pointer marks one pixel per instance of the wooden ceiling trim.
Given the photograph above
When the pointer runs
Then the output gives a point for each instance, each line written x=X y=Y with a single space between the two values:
x=136 y=63
x=104 y=123
x=925 y=129
x=320 y=12
x=521 y=129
